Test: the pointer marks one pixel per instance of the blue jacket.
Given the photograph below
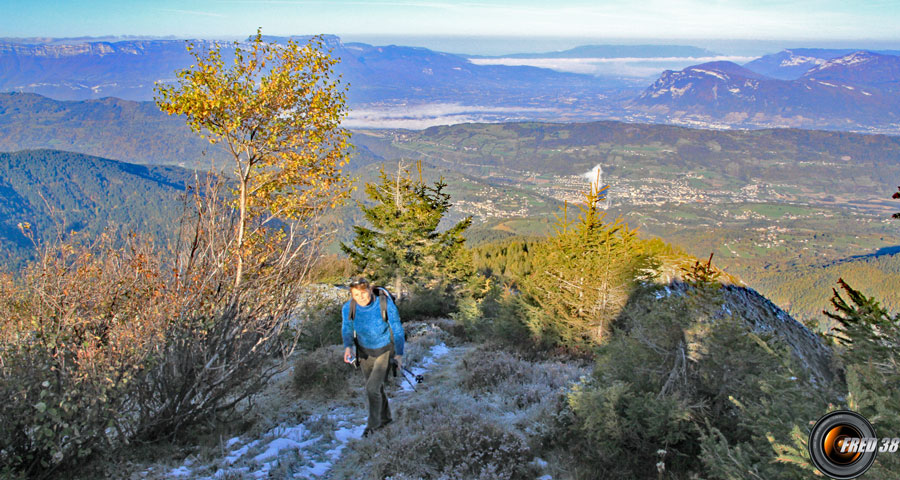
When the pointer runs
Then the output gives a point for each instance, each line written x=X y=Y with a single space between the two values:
x=371 y=331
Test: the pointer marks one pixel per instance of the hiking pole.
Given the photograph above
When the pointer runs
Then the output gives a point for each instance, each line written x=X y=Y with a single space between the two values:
x=408 y=380
x=419 y=378
x=394 y=369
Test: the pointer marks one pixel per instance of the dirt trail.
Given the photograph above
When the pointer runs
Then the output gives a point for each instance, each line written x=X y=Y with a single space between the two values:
x=307 y=449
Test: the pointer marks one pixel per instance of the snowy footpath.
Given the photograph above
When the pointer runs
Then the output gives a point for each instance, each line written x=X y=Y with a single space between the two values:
x=307 y=450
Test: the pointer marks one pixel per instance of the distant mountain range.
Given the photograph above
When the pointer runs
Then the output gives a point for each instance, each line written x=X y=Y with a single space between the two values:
x=809 y=88
x=129 y=69
x=794 y=63
x=78 y=71
x=853 y=91
x=615 y=51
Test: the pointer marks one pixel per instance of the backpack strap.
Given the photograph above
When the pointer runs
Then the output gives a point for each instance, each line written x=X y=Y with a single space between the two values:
x=382 y=298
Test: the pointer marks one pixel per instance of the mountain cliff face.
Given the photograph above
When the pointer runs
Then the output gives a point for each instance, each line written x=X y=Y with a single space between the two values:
x=764 y=316
x=860 y=88
x=92 y=70
x=719 y=86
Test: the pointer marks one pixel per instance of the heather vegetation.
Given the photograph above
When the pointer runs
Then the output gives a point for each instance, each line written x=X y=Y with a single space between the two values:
x=104 y=345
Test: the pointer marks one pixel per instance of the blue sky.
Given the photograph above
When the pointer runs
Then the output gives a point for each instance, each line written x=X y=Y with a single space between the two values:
x=670 y=19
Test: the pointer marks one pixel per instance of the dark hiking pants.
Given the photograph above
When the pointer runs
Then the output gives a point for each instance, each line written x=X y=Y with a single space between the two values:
x=375 y=371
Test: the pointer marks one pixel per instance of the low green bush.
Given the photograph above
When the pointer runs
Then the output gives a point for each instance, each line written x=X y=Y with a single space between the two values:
x=495 y=315
x=680 y=394
x=321 y=328
x=322 y=372
x=426 y=303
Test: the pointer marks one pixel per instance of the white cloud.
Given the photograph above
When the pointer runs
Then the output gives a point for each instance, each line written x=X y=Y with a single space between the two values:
x=625 y=66
x=421 y=116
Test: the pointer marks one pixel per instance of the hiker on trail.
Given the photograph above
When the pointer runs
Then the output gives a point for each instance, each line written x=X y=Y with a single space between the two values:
x=371 y=322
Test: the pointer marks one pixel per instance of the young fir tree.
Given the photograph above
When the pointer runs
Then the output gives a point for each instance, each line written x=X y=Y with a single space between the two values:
x=404 y=248
x=583 y=276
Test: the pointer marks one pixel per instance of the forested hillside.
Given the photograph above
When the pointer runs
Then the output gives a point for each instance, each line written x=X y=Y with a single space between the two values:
x=136 y=132
x=51 y=190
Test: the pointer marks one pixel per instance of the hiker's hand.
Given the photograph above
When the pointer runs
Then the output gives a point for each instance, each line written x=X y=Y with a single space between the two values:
x=399 y=360
x=348 y=355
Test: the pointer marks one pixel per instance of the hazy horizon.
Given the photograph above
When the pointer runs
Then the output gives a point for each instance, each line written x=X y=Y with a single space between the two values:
x=499 y=45
x=680 y=22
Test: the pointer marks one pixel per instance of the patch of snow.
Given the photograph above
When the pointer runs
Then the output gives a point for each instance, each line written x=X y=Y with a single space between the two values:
x=827 y=84
x=666 y=292
x=181 y=471
x=866 y=93
x=277 y=446
x=222 y=473
x=734 y=90
x=710 y=72
x=677 y=92
x=848 y=87
x=794 y=61
x=439 y=350
x=235 y=455
x=317 y=469
x=435 y=352
x=344 y=435
x=852 y=59
x=232 y=441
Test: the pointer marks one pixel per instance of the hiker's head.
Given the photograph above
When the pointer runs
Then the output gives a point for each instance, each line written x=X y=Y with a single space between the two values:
x=361 y=291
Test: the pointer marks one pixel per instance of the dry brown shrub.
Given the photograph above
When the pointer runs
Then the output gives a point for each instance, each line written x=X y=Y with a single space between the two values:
x=104 y=343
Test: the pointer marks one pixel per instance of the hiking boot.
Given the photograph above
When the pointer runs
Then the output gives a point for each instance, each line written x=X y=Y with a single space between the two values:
x=386 y=423
x=366 y=432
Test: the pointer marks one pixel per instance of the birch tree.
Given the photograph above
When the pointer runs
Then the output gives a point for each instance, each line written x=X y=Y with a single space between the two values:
x=276 y=110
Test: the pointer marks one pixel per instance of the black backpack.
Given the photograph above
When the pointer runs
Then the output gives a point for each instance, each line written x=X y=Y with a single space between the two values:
x=383 y=294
